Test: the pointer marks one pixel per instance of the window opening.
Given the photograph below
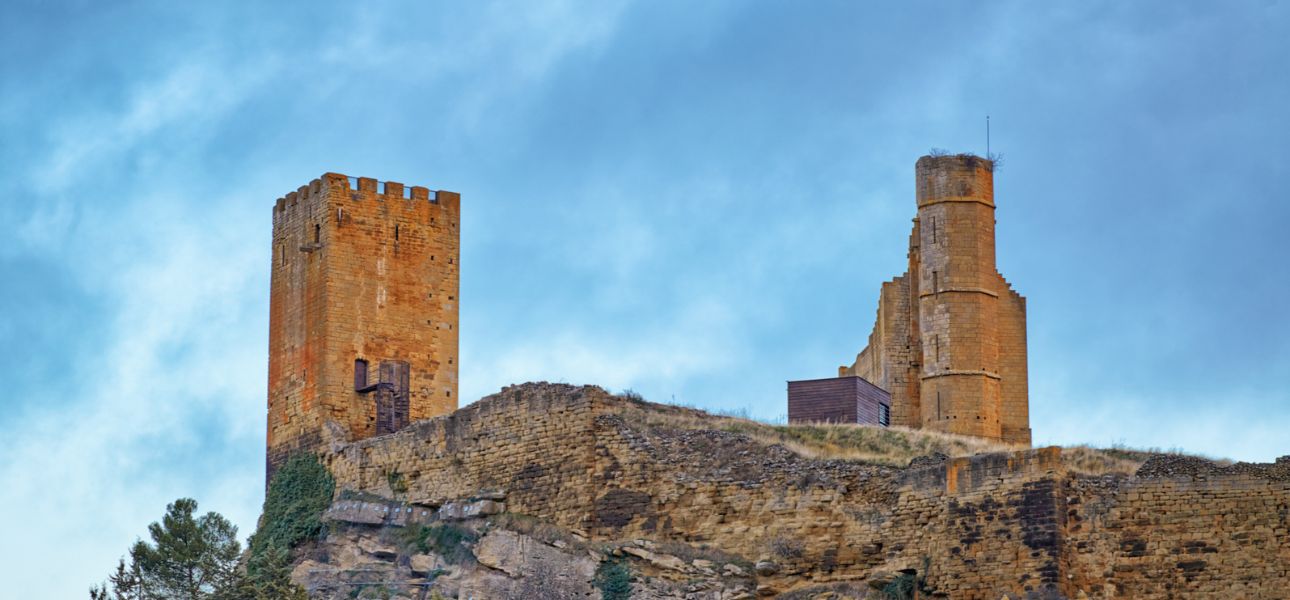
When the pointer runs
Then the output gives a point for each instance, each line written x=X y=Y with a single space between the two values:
x=884 y=415
x=317 y=233
x=360 y=373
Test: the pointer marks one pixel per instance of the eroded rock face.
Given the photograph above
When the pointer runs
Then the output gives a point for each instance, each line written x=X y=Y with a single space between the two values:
x=521 y=556
x=478 y=554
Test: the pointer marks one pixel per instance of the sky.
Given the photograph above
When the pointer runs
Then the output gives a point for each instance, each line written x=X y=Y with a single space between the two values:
x=694 y=200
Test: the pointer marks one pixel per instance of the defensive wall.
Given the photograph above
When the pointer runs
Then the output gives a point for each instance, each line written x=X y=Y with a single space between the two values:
x=1017 y=523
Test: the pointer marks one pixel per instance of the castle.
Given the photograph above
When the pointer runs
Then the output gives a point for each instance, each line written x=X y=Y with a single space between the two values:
x=548 y=487
x=949 y=342
x=363 y=310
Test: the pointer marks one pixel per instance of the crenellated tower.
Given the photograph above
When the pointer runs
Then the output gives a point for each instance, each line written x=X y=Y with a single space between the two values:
x=363 y=310
x=949 y=343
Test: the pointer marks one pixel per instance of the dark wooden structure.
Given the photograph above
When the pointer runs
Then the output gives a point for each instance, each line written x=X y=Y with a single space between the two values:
x=848 y=399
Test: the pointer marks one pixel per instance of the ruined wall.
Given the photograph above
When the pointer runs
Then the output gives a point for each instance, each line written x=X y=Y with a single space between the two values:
x=949 y=342
x=359 y=273
x=973 y=527
x=1013 y=370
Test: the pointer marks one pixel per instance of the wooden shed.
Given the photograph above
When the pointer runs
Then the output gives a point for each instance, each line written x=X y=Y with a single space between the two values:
x=848 y=399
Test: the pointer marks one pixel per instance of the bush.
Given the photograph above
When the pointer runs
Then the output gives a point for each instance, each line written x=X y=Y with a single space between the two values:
x=445 y=539
x=786 y=547
x=299 y=493
x=614 y=580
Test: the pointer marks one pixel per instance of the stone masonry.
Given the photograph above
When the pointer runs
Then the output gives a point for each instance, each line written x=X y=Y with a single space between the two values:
x=1015 y=523
x=363 y=310
x=949 y=342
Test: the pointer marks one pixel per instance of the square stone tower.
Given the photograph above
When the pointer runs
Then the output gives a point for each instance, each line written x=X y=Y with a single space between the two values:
x=362 y=310
x=949 y=343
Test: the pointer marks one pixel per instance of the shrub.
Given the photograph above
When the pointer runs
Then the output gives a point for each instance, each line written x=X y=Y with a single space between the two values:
x=614 y=580
x=299 y=493
x=785 y=547
x=630 y=394
x=445 y=539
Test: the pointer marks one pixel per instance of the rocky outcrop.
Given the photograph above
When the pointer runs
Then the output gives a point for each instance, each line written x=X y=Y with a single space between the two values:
x=488 y=555
x=532 y=489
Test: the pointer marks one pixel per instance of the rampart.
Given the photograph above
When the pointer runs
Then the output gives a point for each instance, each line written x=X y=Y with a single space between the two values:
x=1019 y=523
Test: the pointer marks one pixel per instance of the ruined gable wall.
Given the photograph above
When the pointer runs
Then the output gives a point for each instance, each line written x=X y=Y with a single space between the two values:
x=974 y=527
x=888 y=360
x=1013 y=369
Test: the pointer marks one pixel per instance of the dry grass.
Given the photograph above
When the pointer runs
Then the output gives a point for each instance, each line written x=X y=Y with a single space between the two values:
x=890 y=446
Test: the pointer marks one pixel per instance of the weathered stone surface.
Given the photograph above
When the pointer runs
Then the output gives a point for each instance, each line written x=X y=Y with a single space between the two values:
x=536 y=570
x=949 y=341
x=456 y=511
x=377 y=549
x=360 y=272
x=421 y=564
x=971 y=527
x=662 y=561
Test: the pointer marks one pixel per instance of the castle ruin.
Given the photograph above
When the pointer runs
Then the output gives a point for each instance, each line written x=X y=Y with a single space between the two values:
x=363 y=310
x=949 y=342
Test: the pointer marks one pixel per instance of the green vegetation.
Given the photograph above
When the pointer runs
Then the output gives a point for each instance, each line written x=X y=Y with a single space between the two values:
x=902 y=587
x=196 y=558
x=189 y=558
x=397 y=482
x=445 y=539
x=299 y=493
x=614 y=580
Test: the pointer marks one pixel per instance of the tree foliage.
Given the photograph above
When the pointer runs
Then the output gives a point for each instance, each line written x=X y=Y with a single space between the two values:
x=196 y=558
x=614 y=580
x=188 y=558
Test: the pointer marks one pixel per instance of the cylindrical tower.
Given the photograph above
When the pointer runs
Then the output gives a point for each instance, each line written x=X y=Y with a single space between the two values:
x=958 y=296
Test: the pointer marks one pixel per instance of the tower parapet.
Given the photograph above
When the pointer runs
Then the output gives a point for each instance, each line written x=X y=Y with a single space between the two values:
x=362 y=274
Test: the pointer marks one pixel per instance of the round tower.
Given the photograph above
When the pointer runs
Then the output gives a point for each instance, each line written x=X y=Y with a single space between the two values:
x=957 y=296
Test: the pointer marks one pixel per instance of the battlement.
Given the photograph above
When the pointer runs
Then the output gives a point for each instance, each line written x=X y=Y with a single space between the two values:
x=360 y=187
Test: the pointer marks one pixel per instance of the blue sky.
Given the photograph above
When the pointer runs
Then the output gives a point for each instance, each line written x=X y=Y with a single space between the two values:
x=697 y=201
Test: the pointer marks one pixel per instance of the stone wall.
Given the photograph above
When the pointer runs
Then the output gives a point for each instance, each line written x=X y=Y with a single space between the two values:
x=359 y=273
x=977 y=527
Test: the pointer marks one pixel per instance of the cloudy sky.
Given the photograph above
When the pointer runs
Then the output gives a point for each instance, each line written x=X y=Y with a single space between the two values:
x=697 y=201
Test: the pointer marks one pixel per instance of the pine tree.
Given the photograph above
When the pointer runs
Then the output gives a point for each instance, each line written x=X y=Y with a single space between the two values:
x=188 y=559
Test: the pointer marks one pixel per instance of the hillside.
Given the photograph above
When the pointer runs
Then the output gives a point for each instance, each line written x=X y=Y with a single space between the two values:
x=557 y=491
